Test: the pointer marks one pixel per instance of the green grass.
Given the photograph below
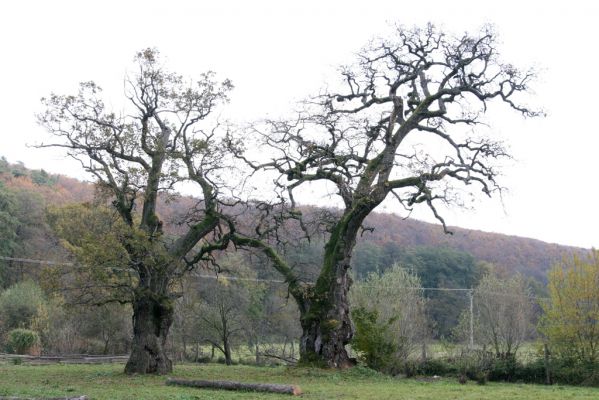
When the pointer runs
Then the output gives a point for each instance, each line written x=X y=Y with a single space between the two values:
x=108 y=382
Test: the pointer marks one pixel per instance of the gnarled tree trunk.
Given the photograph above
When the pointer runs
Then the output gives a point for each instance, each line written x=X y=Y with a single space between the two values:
x=327 y=327
x=152 y=319
x=325 y=316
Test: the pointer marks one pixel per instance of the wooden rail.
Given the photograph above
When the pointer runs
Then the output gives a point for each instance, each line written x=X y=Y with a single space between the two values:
x=64 y=359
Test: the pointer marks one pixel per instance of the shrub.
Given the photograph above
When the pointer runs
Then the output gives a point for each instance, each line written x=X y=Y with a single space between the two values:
x=370 y=340
x=569 y=315
x=482 y=366
x=400 y=312
x=575 y=373
x=504 y=369
x=531 y=372
x=22 y=305
x=437 y=367
x=23 y=341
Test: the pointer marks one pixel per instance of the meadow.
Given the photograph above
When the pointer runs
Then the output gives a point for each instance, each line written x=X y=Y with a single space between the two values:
x=107 y=381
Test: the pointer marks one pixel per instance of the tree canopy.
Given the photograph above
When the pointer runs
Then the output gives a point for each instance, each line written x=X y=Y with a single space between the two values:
x=163 y=137
x=404 y=121
x=571 y=321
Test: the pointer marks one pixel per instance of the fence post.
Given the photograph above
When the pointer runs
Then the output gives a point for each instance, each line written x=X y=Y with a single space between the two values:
x=471 y=295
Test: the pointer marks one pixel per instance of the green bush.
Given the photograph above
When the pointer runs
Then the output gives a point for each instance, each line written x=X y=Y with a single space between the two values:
x=20 y=341
x=370 y=340
x=504 y=369
x=531 y=372
x=439 y=367
x=482 y=367
x=20 y=305
x=575 y=373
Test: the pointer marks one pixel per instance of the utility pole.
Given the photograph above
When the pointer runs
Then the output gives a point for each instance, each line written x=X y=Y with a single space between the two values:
x=471 y=295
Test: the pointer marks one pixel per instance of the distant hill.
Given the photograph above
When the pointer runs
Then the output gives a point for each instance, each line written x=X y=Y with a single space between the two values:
x=530 y=257
x=511 y=254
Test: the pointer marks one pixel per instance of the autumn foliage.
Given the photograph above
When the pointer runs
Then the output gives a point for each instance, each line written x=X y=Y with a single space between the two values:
x=571 y=322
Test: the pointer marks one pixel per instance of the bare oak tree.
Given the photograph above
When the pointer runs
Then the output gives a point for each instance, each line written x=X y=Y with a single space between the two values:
x=163 y=137
x=402 y=123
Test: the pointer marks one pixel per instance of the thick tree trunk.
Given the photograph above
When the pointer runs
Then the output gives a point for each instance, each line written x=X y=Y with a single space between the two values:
x=327 y=328
x=325 y=315
x=152 y=319
x=325 y=319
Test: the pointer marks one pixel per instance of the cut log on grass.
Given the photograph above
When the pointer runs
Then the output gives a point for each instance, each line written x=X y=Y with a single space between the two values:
x=229 y=385
x=44 y=398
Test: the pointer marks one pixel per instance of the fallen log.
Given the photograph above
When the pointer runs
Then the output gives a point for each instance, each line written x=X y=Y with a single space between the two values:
x=230 y=385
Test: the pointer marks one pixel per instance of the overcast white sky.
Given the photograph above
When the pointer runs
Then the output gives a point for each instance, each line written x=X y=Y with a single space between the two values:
x=277 y=52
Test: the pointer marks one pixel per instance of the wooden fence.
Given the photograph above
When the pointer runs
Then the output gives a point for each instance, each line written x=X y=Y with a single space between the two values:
x=62 y=359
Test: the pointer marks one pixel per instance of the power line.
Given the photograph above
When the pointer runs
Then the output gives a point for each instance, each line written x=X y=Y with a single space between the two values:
x=41 y=262
x=234 y=278
x=420 y=288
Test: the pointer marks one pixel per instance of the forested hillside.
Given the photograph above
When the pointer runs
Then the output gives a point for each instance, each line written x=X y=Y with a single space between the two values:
x=530 y=257
x=29 y=192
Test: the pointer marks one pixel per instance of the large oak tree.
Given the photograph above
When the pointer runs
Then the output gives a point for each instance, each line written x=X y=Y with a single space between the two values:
x=163 y=136
x=404 y=122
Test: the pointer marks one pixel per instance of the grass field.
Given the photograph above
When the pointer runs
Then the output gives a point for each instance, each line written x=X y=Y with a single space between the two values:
x=108 y=382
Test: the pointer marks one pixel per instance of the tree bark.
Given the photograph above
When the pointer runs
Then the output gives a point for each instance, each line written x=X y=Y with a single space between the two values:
x=325 y=318
x=327 y=328
x=152 y=319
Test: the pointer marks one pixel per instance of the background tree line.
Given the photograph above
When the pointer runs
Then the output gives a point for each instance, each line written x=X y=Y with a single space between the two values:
x=434 y=267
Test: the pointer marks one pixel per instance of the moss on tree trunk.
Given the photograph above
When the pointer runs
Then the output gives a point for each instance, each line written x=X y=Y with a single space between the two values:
x=326 y=324
x=152 y=319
